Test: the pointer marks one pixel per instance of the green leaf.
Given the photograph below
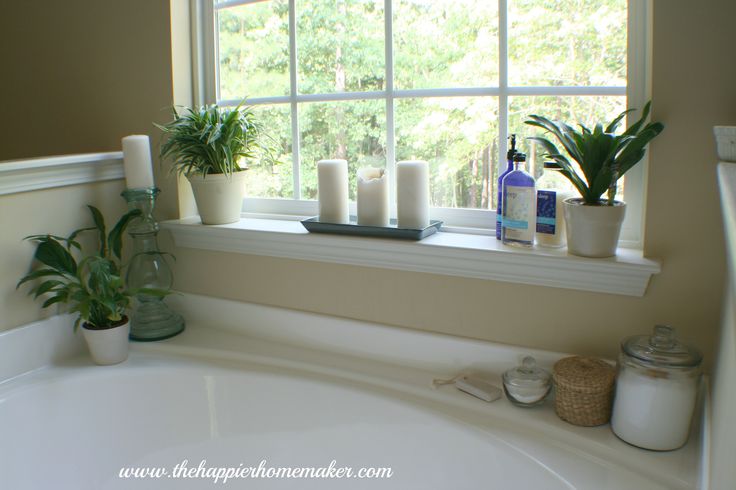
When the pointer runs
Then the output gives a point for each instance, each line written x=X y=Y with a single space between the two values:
x=115 y=239
x=634 y=128
x=611 y=128
x=100 y=226
x=59 y=298
x=51 y=253
x=46 y=286
x=38 y=274
x=71 y=242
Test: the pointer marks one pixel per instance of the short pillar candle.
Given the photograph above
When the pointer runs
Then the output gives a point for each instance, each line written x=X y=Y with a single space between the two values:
x=372 y=197
x=137 y=162
x=332 y=187
x=412 y=194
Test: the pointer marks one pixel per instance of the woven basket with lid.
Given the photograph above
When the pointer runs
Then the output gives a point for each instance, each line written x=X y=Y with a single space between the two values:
x=584 y=390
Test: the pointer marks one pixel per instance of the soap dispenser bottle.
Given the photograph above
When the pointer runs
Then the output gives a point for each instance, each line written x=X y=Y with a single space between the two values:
x=509 y=168
x=519 y=206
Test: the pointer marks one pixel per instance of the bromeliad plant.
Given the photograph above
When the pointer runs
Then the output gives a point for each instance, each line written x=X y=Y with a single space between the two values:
x=92 y=286
x=602 y=156
x=213 y=140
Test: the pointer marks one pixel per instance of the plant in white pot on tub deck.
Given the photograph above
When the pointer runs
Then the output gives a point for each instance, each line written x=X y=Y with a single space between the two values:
x=91 y=284
x=211 y=147
x=594 y=160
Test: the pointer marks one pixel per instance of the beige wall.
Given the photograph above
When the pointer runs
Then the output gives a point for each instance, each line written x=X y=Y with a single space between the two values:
x=75 y=77
x=78 y=75
x=692 y=90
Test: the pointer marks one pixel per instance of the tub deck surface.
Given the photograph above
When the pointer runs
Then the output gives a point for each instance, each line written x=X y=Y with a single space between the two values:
x=212 y=395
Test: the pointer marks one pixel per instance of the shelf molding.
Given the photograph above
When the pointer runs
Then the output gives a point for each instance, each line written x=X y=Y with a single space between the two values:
x=450 y=254
x=45 y=173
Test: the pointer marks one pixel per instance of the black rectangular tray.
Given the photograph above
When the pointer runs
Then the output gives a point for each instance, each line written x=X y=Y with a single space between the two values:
x=353 y=228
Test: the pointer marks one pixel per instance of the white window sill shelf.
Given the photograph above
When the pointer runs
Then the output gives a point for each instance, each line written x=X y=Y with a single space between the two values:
x=452 y=254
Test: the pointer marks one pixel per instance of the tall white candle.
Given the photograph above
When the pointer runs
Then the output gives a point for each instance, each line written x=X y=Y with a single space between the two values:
x=412 y=194
x=137 y=161
x=372 y=197
x=332 y=186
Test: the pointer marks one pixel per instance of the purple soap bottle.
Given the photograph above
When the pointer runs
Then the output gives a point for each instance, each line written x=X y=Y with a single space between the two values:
x=509 y=168
x=519 y=210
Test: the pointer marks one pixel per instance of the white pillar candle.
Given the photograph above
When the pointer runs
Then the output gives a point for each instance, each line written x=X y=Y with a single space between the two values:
x=412 y=194
x=372 y=197
x=332 y=187
x=137 y=161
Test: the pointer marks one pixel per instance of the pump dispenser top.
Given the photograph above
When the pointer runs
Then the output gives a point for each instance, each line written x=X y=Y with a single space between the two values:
x=512 y=150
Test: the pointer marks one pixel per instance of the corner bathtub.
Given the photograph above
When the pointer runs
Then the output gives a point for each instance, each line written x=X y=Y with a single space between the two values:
x=233 y=396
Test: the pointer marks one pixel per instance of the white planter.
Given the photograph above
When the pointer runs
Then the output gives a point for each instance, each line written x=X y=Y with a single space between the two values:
x=725 y=142
x=108 y=346
x=219 y=197
x=593 y=231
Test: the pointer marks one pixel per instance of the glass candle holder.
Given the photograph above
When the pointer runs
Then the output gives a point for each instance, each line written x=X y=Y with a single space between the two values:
x=151 y=318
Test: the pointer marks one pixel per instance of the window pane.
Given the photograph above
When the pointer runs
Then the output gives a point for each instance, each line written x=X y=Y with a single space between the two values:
x=571 y=110
x=254 y=50
x=265 y=180
x=340 y=45
x=458 y=136
x=445 y=43
x=567 y=42
x=354 y=131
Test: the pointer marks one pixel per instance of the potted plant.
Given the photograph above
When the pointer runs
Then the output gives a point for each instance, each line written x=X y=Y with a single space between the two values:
x=207 y=145
x=91 y=285
x=602 y=157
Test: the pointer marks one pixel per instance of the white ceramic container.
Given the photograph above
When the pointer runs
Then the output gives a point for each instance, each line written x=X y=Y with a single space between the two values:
x=108 y=346
x=219 y=197
x=593 y=231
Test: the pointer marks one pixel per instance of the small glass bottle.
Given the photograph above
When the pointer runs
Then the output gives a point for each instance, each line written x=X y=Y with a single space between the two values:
x=519 y=206
x=550 y=207
x=509 y=168
x=656 y=390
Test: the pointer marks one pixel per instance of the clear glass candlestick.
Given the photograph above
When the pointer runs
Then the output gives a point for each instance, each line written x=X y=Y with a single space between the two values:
x=151 y=319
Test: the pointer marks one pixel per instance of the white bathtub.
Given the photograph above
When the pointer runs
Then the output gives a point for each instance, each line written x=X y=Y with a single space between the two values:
x=221 y=395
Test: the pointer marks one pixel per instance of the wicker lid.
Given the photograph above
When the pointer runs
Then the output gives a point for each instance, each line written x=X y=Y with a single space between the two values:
x=584 y=374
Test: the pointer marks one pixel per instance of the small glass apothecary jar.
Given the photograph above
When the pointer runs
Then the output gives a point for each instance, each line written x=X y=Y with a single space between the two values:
x=527 y=385
x=656 y=390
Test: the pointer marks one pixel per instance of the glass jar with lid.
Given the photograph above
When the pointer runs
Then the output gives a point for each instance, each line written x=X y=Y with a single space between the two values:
x=656 y=390
x=527 y=385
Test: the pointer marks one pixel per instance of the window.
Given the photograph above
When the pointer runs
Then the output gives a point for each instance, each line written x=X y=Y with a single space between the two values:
x=377 y=81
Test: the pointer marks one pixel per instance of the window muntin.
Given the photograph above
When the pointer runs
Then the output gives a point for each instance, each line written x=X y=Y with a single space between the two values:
x=581 y=90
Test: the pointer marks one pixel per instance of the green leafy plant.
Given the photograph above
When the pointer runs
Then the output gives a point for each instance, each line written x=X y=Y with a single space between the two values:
x=602 y=156
x=213 y=140
x=92 y=285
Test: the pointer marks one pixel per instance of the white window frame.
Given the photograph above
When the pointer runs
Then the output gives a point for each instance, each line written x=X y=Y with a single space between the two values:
x=637 y=92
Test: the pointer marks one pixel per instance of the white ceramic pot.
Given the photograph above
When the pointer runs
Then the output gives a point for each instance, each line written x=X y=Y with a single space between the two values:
x=593 y=231
x=219 y=197
x=108 y=346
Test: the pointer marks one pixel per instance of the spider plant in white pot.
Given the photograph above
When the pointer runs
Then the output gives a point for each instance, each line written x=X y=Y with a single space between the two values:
x=211 y=146
x=602 y=158
x=91 y=284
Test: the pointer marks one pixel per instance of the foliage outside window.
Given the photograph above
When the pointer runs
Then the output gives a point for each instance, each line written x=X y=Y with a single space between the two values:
x=441 y=93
